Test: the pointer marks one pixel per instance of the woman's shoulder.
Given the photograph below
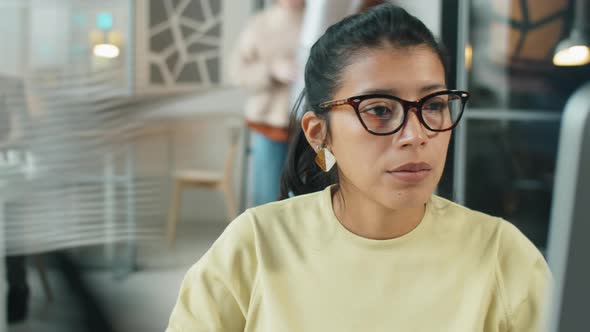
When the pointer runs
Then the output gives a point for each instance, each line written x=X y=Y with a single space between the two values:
x=462 y=217
x=272 y=224
x=501 y=234
x=509 y=243
x=295 y=202
x=291 y=211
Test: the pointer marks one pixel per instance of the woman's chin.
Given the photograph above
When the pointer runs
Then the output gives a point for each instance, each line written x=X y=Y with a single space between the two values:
x=406 y=198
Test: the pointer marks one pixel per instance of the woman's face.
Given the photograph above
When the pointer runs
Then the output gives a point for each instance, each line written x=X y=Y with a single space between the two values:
x=403 y=169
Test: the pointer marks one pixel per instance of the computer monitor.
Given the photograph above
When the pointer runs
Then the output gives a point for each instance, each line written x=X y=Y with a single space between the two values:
x=568 y=251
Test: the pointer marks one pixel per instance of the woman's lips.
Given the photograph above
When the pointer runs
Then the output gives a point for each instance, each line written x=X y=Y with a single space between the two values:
x=411 y=172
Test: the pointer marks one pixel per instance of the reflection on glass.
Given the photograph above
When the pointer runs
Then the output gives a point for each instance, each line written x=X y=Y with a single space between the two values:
x=64 y=38
x=510 y=169
x=511 y=49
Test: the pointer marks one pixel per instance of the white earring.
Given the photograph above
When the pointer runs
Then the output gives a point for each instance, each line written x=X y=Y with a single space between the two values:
x=325 y=159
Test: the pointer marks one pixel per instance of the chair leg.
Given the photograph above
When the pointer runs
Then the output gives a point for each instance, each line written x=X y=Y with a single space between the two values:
x=230 y=202
x=175 y=206
x=43 y=276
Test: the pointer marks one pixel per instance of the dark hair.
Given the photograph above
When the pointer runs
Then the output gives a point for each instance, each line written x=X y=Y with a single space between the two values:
x=379 y=26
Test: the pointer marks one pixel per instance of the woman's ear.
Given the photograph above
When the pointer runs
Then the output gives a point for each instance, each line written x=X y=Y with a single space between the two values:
x=315 y=130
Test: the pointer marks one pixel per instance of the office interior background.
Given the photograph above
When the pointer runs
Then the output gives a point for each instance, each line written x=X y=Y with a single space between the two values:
x=107 y=106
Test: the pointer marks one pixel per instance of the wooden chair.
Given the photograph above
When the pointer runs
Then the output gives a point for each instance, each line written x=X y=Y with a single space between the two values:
x=214 y=180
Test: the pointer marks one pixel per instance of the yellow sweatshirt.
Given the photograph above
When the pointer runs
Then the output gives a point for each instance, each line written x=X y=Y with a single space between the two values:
x=291 y=266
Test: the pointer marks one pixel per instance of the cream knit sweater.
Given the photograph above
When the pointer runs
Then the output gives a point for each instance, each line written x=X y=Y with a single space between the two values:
x=271 y=36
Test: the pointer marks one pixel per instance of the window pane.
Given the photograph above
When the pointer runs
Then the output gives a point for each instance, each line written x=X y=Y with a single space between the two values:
x=510 y=169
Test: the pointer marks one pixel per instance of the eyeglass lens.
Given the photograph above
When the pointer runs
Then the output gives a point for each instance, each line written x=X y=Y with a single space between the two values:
x=383 y=115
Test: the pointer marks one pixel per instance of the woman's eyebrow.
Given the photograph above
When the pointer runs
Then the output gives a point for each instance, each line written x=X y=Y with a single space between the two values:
x=378 y=92
x=433 y=87
x=394 y=92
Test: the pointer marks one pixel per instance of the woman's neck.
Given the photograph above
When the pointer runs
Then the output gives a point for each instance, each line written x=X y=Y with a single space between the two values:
x=369 y=219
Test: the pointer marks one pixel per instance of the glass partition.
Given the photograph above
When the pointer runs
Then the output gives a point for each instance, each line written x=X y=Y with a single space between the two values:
x=504 y=151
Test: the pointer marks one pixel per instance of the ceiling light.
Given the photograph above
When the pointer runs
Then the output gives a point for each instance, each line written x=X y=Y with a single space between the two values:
x=109 y=51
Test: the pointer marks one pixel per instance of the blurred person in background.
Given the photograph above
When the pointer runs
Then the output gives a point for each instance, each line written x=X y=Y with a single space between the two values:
x=18 y=295
x=18 y=290
x=264 y=65
x=365 y=245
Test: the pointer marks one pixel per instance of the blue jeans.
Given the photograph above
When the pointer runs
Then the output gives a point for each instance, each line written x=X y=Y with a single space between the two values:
x=268 y=158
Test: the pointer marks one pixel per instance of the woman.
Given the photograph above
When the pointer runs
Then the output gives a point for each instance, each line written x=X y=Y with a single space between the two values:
x=264 y=65
x=374 y=249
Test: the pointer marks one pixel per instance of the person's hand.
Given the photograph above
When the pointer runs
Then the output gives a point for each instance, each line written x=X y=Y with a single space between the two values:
x=284 y=70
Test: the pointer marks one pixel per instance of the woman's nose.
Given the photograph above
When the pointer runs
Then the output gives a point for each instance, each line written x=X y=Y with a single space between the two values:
x=413 y=132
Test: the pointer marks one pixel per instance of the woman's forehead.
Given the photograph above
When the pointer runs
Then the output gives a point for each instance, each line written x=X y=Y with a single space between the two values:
x=413 y=70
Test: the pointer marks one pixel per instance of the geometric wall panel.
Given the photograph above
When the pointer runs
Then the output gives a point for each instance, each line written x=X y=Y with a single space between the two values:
x=184 y=42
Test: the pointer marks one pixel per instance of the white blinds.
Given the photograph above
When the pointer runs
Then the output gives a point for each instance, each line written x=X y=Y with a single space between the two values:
x=67 y=167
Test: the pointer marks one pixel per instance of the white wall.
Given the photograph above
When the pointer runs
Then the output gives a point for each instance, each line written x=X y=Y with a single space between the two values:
x=428 y=11
x=13 y=39
x=235 y=16
x=49 y=37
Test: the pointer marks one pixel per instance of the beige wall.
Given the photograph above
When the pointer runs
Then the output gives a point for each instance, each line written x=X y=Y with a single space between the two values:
x=187 y=144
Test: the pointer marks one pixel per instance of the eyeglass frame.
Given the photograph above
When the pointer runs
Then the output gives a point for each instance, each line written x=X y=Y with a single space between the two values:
x=407 y=105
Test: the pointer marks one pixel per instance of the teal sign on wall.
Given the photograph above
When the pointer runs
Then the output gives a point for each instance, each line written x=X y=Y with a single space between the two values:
x=104 y=21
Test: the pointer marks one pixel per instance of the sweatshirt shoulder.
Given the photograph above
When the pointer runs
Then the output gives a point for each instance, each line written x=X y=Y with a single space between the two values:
x=300 y=217
x=464 y=217
x=291 y=208
x=509 y=243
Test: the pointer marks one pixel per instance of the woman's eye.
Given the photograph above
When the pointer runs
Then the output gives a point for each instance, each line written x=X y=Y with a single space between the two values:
x=435 y=106
x=379 y=111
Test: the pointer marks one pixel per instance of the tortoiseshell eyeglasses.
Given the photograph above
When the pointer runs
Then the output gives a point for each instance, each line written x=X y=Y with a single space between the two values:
x=383 y=114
